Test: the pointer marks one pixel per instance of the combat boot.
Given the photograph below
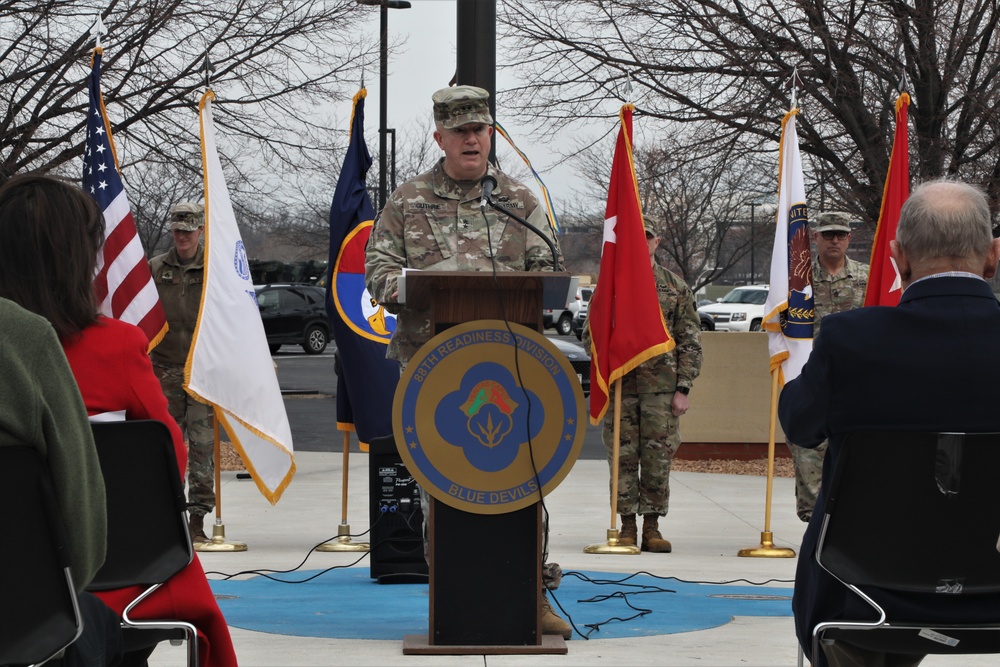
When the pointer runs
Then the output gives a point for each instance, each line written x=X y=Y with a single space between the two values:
x=652 y=540
x=553 y=623
x=196 y=526
x=629 y=533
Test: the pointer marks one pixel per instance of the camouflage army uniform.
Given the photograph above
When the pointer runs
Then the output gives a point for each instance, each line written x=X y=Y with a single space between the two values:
x=649 y=434
x=179 y=286
x=835 y=294
x=831 y=294
x=433 y=222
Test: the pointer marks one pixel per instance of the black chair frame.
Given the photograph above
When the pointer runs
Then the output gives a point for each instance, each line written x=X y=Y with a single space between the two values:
x=148 y=538
x=39 y=611
x=913 y=517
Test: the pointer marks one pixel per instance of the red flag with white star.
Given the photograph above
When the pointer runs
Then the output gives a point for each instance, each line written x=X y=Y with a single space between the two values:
x=884 y=286
x=625 y=319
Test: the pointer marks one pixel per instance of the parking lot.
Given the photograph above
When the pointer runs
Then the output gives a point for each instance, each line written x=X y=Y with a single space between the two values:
x=309 y=387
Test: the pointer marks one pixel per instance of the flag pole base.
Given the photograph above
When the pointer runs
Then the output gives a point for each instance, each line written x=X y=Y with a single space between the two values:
x=343 y=541
x=218 y=541
x=612 y=546
x=766 y=549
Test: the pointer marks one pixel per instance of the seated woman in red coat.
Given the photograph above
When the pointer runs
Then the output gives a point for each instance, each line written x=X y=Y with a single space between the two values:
x=50 y=234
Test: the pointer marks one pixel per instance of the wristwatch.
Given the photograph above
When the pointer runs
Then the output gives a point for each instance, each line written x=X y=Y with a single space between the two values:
x=684 y=390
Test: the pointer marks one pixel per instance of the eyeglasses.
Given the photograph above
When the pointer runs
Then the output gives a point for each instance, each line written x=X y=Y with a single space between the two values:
x=840 y=236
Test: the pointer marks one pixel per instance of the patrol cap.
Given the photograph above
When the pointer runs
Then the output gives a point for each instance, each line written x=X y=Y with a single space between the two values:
x=650 y=234
x=833 y=221
x=187 y=216
x=460 y=105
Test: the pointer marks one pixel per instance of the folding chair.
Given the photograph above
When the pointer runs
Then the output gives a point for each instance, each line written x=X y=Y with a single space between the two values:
x=148 y=539
x=915 y=516
x=39 y=613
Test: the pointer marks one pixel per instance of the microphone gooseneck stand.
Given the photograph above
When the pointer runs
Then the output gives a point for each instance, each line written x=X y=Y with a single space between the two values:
x=536 y=230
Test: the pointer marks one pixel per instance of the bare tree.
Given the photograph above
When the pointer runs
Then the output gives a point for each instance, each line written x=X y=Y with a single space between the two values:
x=701 y=204
x=278 y=67
x=701 y=210
x=292 y=232
x=730 y=64
x=152 y=188
x=416 y=151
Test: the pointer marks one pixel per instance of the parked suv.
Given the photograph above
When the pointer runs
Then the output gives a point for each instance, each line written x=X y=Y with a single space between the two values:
x=581 y=317
x=740 y=310
x=562 y=320
x=294 y=315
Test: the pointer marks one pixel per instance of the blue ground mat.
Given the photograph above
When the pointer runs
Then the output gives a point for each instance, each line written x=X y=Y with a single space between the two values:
x=347 y=604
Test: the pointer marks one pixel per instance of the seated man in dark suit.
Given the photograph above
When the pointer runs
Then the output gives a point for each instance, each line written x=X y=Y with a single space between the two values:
x=929 y=364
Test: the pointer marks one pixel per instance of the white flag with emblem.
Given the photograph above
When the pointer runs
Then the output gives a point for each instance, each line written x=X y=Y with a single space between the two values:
x=790 y=308
x=229 y=365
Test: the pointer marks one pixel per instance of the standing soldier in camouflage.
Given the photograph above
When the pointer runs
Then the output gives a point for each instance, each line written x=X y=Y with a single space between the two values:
x=839 y=284
x=654 y=396
x=179 y=275
x=433 y=222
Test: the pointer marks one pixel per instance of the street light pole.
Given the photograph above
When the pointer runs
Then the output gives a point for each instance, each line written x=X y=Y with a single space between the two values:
x=476 y=43
x=383 y=103
x=753 y=242
x=383 y=76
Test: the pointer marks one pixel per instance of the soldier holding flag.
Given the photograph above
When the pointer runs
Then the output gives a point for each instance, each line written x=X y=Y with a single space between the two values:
x=179 y=276
x=839 y=284
x=654 y=396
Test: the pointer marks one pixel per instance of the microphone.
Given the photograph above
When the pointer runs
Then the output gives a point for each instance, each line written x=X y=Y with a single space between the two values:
x=487 y=184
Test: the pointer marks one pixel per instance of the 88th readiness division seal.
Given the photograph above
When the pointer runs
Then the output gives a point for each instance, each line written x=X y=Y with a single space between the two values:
x=472 y=433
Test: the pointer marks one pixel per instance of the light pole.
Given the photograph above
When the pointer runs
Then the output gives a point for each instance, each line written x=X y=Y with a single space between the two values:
x=385 y=6
x=756 y=198
x=476 y=42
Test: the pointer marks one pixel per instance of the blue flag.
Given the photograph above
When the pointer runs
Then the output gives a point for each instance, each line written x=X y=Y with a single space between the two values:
x=366 y=380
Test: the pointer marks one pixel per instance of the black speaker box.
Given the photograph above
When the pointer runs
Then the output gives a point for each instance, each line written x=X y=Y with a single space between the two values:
x=396 y=517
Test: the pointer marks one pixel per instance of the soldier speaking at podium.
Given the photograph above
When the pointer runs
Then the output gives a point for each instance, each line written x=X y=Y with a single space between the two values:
x=434 y=222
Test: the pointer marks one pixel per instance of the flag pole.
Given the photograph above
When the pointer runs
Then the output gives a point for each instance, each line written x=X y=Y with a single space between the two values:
x=343 y=541
x=766 y=549
x=613 y=545
x=218 y=541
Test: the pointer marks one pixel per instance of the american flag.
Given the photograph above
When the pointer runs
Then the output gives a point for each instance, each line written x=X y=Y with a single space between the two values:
x=123 y=284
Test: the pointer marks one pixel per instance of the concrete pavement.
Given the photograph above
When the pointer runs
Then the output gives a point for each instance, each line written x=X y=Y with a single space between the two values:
x=711 y=517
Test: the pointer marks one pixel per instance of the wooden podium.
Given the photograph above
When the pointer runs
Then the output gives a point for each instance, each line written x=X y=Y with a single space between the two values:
x=484 y=568
x=454 y=297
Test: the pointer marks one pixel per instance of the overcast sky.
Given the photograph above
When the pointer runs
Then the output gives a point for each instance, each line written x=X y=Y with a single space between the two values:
x=425 y=63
